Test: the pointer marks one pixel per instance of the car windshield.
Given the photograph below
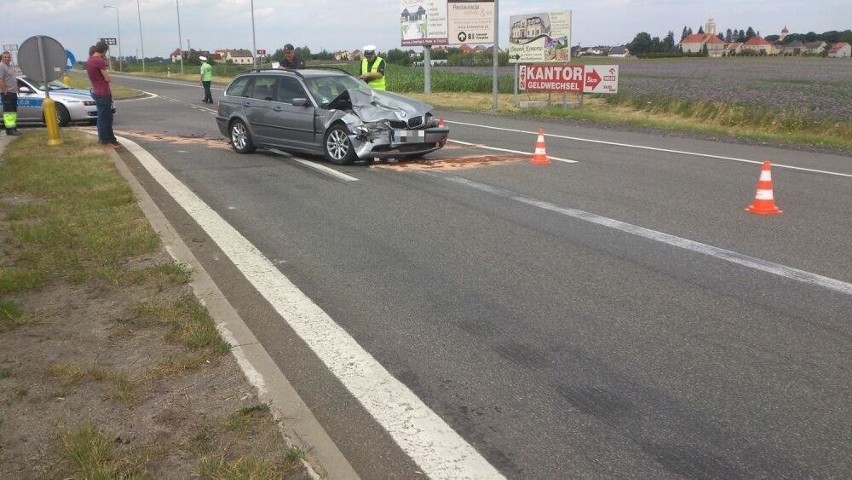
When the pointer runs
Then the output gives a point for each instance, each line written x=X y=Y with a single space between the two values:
x=54 y=85
x=326 y=89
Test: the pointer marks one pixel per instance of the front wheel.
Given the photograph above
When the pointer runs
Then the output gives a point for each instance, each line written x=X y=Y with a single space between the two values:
x=63 y=118
x=338 y=148
x=241 y=138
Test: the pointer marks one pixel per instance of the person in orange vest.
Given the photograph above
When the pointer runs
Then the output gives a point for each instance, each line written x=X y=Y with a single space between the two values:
x=372 y=68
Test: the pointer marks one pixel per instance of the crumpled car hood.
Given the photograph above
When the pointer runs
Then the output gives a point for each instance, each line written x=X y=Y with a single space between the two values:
x=376 y=106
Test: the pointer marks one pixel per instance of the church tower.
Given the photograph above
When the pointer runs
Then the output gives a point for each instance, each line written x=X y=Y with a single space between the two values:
x=710 y=27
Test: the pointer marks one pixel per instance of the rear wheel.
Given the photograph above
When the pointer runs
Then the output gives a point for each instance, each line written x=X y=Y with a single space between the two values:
x=241 y=138
x=338 y=148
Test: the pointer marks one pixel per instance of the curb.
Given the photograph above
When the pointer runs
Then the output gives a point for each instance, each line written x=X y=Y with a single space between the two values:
x=296 y=421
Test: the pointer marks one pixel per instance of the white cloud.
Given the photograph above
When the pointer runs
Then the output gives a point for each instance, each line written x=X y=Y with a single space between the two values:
x=334 y=24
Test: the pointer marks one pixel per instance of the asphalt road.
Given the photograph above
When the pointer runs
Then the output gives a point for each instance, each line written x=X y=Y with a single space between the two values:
x=615 y=313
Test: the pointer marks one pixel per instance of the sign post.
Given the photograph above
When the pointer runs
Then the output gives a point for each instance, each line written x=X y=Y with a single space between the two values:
x=43 y=59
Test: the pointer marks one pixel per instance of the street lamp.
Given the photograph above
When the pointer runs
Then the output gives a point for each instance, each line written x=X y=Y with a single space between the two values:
x=180 y=37
x=118 y=26
x=253 y=40
x=141 y=42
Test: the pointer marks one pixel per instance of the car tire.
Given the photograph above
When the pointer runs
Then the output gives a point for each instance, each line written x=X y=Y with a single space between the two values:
x=63 y=118
x=240 y=137
x=337 y=147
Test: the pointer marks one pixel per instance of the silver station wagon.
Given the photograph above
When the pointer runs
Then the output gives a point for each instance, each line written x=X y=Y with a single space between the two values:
x=325 y=112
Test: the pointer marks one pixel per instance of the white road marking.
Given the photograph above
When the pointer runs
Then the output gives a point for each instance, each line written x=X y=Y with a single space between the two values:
x=656 y=149
x=720 y=253
x=439 y=451
x=479 y=145
x=317 y=166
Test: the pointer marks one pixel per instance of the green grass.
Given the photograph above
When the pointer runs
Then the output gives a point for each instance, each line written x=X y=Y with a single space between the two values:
x=79 y=219
x=11 y=316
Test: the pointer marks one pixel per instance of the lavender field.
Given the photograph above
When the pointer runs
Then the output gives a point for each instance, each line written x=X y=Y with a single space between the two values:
x=807 y=88
x=816 y=88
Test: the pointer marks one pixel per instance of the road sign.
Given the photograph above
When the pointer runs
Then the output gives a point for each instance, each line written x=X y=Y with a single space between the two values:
x=109 y=40
x=261 y=51
x=568 y=78
x=42 y=58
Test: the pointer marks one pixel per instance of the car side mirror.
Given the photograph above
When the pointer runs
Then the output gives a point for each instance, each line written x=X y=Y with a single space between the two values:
x=301 y=102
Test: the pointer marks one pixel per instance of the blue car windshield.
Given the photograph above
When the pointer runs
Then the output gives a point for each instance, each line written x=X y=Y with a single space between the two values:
x=54 y=85
x=326 y=89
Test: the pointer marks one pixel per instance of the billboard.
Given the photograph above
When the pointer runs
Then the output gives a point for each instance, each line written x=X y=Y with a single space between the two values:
x=446 y=22
x=470 y=21
x=423 y=22
x=540 y=37
x=549 y=77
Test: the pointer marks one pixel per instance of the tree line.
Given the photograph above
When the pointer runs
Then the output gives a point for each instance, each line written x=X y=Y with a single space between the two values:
x=645 y=45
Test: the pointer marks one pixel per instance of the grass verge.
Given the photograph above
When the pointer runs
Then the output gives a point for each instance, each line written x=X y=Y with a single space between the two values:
x=71 y=226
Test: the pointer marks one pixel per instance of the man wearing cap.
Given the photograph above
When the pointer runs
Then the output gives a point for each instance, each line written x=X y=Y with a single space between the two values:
x=291 y=60
x=373 y=68
x=206 y=78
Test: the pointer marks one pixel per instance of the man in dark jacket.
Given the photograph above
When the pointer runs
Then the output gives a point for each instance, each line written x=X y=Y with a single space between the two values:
x=291 y=60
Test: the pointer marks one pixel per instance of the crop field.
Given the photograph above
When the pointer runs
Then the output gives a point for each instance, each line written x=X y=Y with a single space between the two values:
x=805 y=88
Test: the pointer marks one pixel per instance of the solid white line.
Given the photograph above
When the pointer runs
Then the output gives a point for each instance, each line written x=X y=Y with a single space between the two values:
x=720 y=253
x=317 y=166
x=478 y=145
x=439 y=451
x=656 y=149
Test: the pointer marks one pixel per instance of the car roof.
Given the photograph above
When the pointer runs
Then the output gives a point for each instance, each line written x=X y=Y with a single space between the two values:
x=302 y=72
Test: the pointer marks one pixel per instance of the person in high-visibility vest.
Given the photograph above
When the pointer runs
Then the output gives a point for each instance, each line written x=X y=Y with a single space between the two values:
x=373 y=68
x=206 y=78
x=9 y=83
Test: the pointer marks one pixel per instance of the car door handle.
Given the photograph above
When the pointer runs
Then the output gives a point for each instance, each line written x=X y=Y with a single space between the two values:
x=278 y=109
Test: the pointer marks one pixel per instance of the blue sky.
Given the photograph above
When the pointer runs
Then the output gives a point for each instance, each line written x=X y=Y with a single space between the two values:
x=339 y=24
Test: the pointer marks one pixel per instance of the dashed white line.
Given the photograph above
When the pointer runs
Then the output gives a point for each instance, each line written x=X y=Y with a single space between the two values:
x=656 y=149
x=720 y=253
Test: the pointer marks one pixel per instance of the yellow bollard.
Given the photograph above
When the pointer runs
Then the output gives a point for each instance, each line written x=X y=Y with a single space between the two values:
x=52 y=123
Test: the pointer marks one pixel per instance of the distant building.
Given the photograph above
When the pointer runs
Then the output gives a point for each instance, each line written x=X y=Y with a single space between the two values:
x=840 y=50
x=696 y=42
x=758 y=45
x=619 y=52
x=792 y=48
x=814 y=48
x=238 y=56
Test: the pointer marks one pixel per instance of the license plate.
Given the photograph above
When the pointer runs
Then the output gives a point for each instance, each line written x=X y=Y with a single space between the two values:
x=408 y=136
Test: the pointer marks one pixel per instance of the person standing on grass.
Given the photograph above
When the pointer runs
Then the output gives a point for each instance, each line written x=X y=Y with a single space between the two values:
x=10 y=94
x=206 y=78
x=96 y=67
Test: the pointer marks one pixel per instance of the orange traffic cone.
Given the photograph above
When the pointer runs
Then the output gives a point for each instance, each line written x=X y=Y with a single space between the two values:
x=540 y=155
x=764 y=201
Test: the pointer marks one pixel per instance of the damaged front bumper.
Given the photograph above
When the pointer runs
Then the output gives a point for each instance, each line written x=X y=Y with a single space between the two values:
x=393 y=142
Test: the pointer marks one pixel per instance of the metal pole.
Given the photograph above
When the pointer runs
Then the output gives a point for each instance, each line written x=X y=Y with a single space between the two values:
x=141 y=42
x=495 y=88
x=253 y=41
x=180 y=37
x=118 y=27
x=427 y=69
